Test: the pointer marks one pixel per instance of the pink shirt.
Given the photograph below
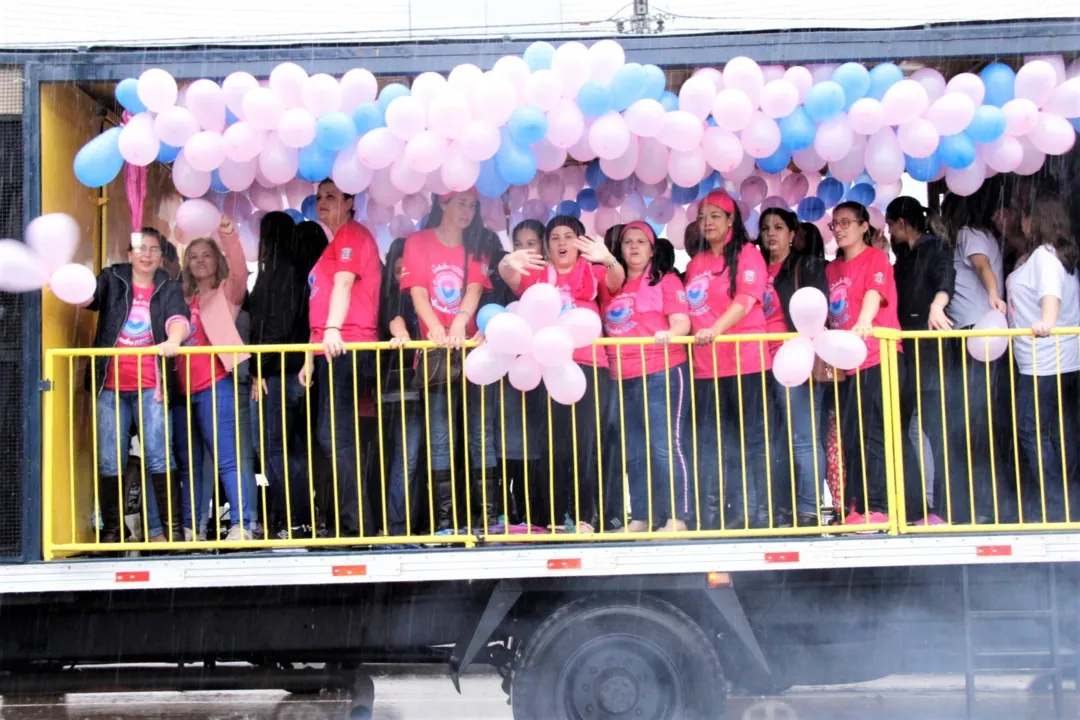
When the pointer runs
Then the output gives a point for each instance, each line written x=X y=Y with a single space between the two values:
x=200 y=372
x=770 y=305
x=848 y=284
x=583 y=356
x=623 y=318
x=440 y=270
x=707 y=286
x=353 y=250
x=135 y=333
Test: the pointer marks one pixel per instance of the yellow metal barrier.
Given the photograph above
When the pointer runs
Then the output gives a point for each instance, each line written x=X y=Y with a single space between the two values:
x=663 y=456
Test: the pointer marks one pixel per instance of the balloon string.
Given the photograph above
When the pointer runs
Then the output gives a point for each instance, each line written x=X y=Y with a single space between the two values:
x=135 y=183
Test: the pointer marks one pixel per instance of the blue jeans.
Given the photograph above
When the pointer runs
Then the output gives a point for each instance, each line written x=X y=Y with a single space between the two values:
x=239 y=483
x=404 y=449
x=286 y=426
x=114 y=440
x=733 y=452
x=1046 y=448
x=657 y=467
x=801 y=463
x=440 y=404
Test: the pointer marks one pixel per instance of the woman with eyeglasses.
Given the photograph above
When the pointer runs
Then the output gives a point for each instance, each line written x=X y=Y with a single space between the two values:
x=862 y=297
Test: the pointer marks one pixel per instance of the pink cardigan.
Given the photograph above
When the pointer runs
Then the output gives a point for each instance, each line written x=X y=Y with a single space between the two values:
x=219 y=307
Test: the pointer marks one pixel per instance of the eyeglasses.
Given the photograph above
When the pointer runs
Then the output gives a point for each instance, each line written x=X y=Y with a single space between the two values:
x=146 y=250
x=843 y=224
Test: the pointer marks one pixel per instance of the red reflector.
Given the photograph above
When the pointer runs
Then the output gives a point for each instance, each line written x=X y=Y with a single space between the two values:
x=347 y=570
x=564 y=564
x=782 y=557
x=138 y=576
x=993 y=550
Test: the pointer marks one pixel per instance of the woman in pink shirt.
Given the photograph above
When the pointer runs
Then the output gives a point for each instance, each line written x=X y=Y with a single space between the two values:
x=725 y=285
x=582 y=269
x=654 y=398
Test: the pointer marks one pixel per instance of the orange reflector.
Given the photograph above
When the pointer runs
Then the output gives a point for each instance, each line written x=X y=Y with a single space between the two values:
x=137 y=576
x=993 y=550
x=564 y=564
x=347 y=570
x=719 y=579
x=782 y=557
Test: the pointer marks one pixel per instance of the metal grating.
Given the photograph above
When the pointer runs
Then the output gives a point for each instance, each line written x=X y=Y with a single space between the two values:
x=11 y=361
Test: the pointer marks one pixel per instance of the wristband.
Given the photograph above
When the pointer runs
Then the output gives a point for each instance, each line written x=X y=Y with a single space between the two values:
x=610 y=265
x=332 y=327
x=464 y=312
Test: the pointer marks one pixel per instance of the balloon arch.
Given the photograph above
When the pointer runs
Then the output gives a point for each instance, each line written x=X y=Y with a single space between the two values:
x=580 y=131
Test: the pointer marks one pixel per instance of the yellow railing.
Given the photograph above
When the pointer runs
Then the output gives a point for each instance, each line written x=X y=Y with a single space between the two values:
x=718 y=452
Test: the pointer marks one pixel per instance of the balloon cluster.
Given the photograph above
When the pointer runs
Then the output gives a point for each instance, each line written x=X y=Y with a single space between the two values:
x=45 y=259
x=534 y=340
x=512 y=127
x=794 y=361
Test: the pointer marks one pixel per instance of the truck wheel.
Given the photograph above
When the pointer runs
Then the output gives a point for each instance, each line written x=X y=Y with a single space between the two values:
x=637 y=657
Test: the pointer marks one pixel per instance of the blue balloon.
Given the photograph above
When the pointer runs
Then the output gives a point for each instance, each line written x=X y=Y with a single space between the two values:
x=775 y=162
x=490 y=183
x=594 y=175
x=864 y=178
x=167 y=153
x=1075 y=122
x=862 y=193
x=683 y=195
x=308 y=208
x=316 y=162
x=296 y=215
x=127 y=94
x=538 y=56
x=594 y=98
x=883 y=77
x=655 y=83
x=956 y=151
x=335 y=131
x=216 y=184
x=628 y=85
x=708 y=184
x=830 y=191
x=854 y=78
x=99 y=161
x=367 y=117
x=669 y=100
x=825 y=100
x=987 y=125
x=1000 y=82
x=923 y=169
x=484 y=315
x=797 y=130
x=528 y=124
x=586 y=200
x=810 y=209
x=230 y=119
x=390 y=93
x=568 y=207
x=515 y=163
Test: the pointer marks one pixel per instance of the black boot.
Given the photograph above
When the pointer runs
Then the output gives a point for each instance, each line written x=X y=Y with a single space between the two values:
x=111 y=516
x=444 y=504
x=485 y=502
x=171 y=524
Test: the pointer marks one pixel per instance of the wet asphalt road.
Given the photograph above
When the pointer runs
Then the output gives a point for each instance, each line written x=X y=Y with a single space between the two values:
x=420 y=697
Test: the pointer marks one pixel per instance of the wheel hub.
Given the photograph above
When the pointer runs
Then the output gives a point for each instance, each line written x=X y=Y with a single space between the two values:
x=619 y=680
x=618 y=693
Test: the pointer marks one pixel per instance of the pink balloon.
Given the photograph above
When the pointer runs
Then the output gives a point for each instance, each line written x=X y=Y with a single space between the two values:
x=834 y=138
x=611 y=194
x=548 y=157
x=809 y=309
x=139 y=144
x=321 y=94
x=722 y=149
x=801 y=78
x=379 y=214
x=609 y=137
x=287 y=82
x=278 y=162
x=918 y=138
x=206 y=101
x=744 y=74
x=932 y=81
x=540 y=306
x=405 y=117
x=175 y=126
x=605 y=57
x=383 y=191
x=633 y=208
x=565 y=383
x=449 y=113
x=1035 y=81
x=822 y=71
x=574 y=177
x=661 y=210
x=581 y=150
x=416 y=206
x=266 y=199
x=565 y=124
x=157 y=90
x=794 y=188
x=241 y=141
x=510 y=334
x=969 y=84
x=435 y=183
x=877 y=217
x=205 y=151
x=761 y=136
x=841 y=348
x=357 y=86
x=237 y=176
x=951 y=113
x=379 y=148
x=484 y=365
x=235 y=87
x=676 y=228
x=550 y=189
x=54 y=238
x=582 y=325
x=1033 y=158
x=652 y=161
x=459 y=172
x=525 y=373
x=1004 y=154
x=645 y=118
x=237 y=207
x=744 y=169
x=605 y=219
x=884 y=157
x=968 y=180
x=794 y=362
x=808 y=160
x=853 y=164
x=867 y=116
x=772 y=201
x=732 y=109
x=753 y=190
x=198 y=218
x=349 y=174
x=1065 y=99
x=779 y=98
x=681 y=131
x=686 y=168
x=715 y=76
x=988 y=349
x=73 y=284
x=405 y=179
x=262 y=108
x=494 y=99
x=1021 y=117
x=297 y=128
x=543 y=89
x=696 y=96
x=188 y=181
x=480 y=141
x=904 y=101
x=401 y=226
x=1053 y=134
x=425 y=152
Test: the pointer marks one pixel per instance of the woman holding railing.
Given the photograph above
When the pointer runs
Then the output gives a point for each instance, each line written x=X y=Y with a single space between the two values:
x=654 y=385
x=725 y=285
x=581 y=268
x=1044 y=294
x=797 y=413
x=215 y=282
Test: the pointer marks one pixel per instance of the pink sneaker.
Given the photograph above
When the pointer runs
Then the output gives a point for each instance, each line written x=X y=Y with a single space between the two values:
x=854 y=518
x=930 y=519
x=878 y=518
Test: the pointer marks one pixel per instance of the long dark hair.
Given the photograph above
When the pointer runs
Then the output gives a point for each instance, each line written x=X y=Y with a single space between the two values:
x=1050 y=226
x=473 y=235
x=812 y=242
x=310 y=241
x=611 y=238
x=862 y=215
x=392 y=302
x=739 y=236
x=973 y=211
x=537 y=227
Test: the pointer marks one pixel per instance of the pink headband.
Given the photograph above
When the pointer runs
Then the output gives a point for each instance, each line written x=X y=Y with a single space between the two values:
x=638 y=225
x=720 y=199
x=446 y=197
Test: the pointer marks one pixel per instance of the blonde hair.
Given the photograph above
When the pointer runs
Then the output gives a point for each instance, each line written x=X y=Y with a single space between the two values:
x=191 y=286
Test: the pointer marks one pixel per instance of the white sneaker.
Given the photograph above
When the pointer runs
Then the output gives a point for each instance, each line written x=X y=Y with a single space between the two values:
x=237 y=533
x=188 y=535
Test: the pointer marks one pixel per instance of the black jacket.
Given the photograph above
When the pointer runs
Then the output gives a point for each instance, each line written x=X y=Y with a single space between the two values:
x=797 y=272
x=112 y=301
x=921 y=272
x=279 y=316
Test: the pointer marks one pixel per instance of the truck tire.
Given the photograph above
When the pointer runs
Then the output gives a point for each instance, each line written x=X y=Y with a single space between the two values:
x=634 y=656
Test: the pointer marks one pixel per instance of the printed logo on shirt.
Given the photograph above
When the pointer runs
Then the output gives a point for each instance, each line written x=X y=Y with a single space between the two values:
x=567 y=299
x=839 y=310
x=190 y=342
x=697 y=294
x=768 y=301
x=346 y=254
x=879 y=278
x=749 y=276
x=680 y=295
x=311 y=285
x=618 y=318
x=447 y=283
x=137 y=331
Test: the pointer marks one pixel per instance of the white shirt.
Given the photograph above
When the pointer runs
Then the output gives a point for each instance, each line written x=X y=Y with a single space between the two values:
x=1043 y=275
x=970 y=301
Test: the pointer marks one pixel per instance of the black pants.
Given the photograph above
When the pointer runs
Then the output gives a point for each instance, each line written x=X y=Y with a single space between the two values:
x=862 y=435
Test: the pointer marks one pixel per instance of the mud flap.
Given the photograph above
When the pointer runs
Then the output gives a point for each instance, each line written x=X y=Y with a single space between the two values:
x=471 y=642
